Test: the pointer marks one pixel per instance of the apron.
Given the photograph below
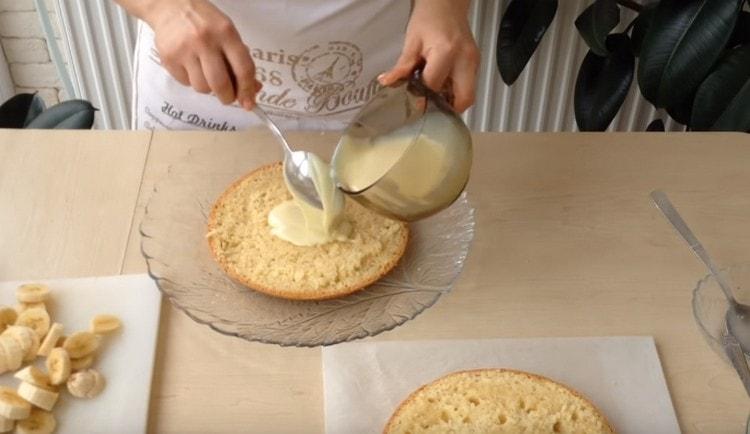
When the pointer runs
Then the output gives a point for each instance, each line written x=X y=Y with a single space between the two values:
x=318 y=62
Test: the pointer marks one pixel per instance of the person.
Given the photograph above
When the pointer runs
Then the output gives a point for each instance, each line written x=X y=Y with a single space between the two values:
x=203 y=64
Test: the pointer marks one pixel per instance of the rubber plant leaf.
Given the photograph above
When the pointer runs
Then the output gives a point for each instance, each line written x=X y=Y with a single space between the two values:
x=521 y=28
x=73 y=114
x=596 y=22
x=641 y=23
x=656 y=125
x=741 y=34
x=684 y=40
x=682 y=111
x=723 y=99
x=603 y=84
x=19 y=110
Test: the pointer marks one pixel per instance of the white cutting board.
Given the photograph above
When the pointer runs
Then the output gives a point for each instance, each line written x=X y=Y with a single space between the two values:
x=126 y=358
x=365 y=382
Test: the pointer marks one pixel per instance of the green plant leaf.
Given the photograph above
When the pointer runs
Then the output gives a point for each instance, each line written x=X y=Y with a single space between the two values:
x=20 y=110
x=595 y=23
x=682 y=111
x=37 y=106
x=721 y=94
x=737 y=115
x=603 y=83
x=682 y=43
x=522 y=27
x=641 y=24
x=656 y=125
x=741 y=34
x=74 y=114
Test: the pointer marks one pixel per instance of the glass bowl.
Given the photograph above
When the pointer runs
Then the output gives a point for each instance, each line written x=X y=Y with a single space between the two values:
x=710 y=306
x=176 y=251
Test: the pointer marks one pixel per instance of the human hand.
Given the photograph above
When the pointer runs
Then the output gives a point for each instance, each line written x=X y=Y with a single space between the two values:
x=200 y=47
x=439 y=36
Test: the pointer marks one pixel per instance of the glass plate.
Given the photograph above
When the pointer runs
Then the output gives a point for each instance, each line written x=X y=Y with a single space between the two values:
x=710 y=306
x=179 y=260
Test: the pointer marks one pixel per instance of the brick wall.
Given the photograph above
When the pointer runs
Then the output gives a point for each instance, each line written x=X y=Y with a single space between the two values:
x=26 y=51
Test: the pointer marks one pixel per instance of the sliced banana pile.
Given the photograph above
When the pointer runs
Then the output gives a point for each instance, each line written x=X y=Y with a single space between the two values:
x=27 y=332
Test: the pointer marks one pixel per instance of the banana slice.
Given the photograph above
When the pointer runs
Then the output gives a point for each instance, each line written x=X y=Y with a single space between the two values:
x=22 y=335
x=81 y=344
x=104 y=324
x=58 y=366
x=33 y=375
x=38 y=396
x=21 y=307
x=13 y=352
x=33 y=350
x=3 y=363
x=36 y=319
x=26 y=338
x=32 y=293
x=8 y=317
x=13 y=406
x=50 y=341
x=6 y=425
x=82 y=363
x=39 y=422
x=86 y=384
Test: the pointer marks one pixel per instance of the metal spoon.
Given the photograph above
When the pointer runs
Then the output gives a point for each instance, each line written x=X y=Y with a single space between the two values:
x=734 y=351
x=297 y=165
x=738 y=314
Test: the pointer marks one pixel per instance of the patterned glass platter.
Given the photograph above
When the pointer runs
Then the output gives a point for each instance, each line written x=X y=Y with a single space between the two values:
x=173 y=242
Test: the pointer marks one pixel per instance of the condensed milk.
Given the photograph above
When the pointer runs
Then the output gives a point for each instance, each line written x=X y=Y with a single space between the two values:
x=302 y=224
x=405 y=172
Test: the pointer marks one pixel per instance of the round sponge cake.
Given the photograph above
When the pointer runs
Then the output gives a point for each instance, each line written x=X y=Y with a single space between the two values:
x=496 y=401
x=241 y=241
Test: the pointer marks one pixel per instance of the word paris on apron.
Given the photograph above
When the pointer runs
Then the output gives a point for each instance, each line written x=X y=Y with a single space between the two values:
x=318 y=62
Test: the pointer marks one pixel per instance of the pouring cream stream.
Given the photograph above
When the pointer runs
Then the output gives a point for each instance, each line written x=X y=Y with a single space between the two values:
x=302 y=224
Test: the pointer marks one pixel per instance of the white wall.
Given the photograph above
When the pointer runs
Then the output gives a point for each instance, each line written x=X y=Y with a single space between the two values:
x=25 y=47
x=6 y=83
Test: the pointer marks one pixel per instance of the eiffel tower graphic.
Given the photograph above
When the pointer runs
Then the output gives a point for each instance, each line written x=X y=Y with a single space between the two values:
x=326 y=75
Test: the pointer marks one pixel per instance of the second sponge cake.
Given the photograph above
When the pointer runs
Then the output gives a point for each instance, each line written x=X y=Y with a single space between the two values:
x=241 y=241
x=496 y=401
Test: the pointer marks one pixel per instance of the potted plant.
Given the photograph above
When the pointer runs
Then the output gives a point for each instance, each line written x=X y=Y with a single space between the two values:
x=690 y=57
x=27 y=110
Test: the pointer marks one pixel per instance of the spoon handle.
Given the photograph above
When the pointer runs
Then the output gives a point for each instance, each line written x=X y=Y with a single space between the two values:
x=274 y=129
x=737 y=357
x=665 y=206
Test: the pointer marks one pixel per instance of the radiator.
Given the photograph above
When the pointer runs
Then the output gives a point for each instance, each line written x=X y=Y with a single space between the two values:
x=98 y=41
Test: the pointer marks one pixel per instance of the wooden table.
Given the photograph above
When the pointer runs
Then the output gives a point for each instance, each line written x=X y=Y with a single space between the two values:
x=567 y=244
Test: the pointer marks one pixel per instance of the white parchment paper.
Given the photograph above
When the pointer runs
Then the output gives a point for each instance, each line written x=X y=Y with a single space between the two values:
x=364 y=382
